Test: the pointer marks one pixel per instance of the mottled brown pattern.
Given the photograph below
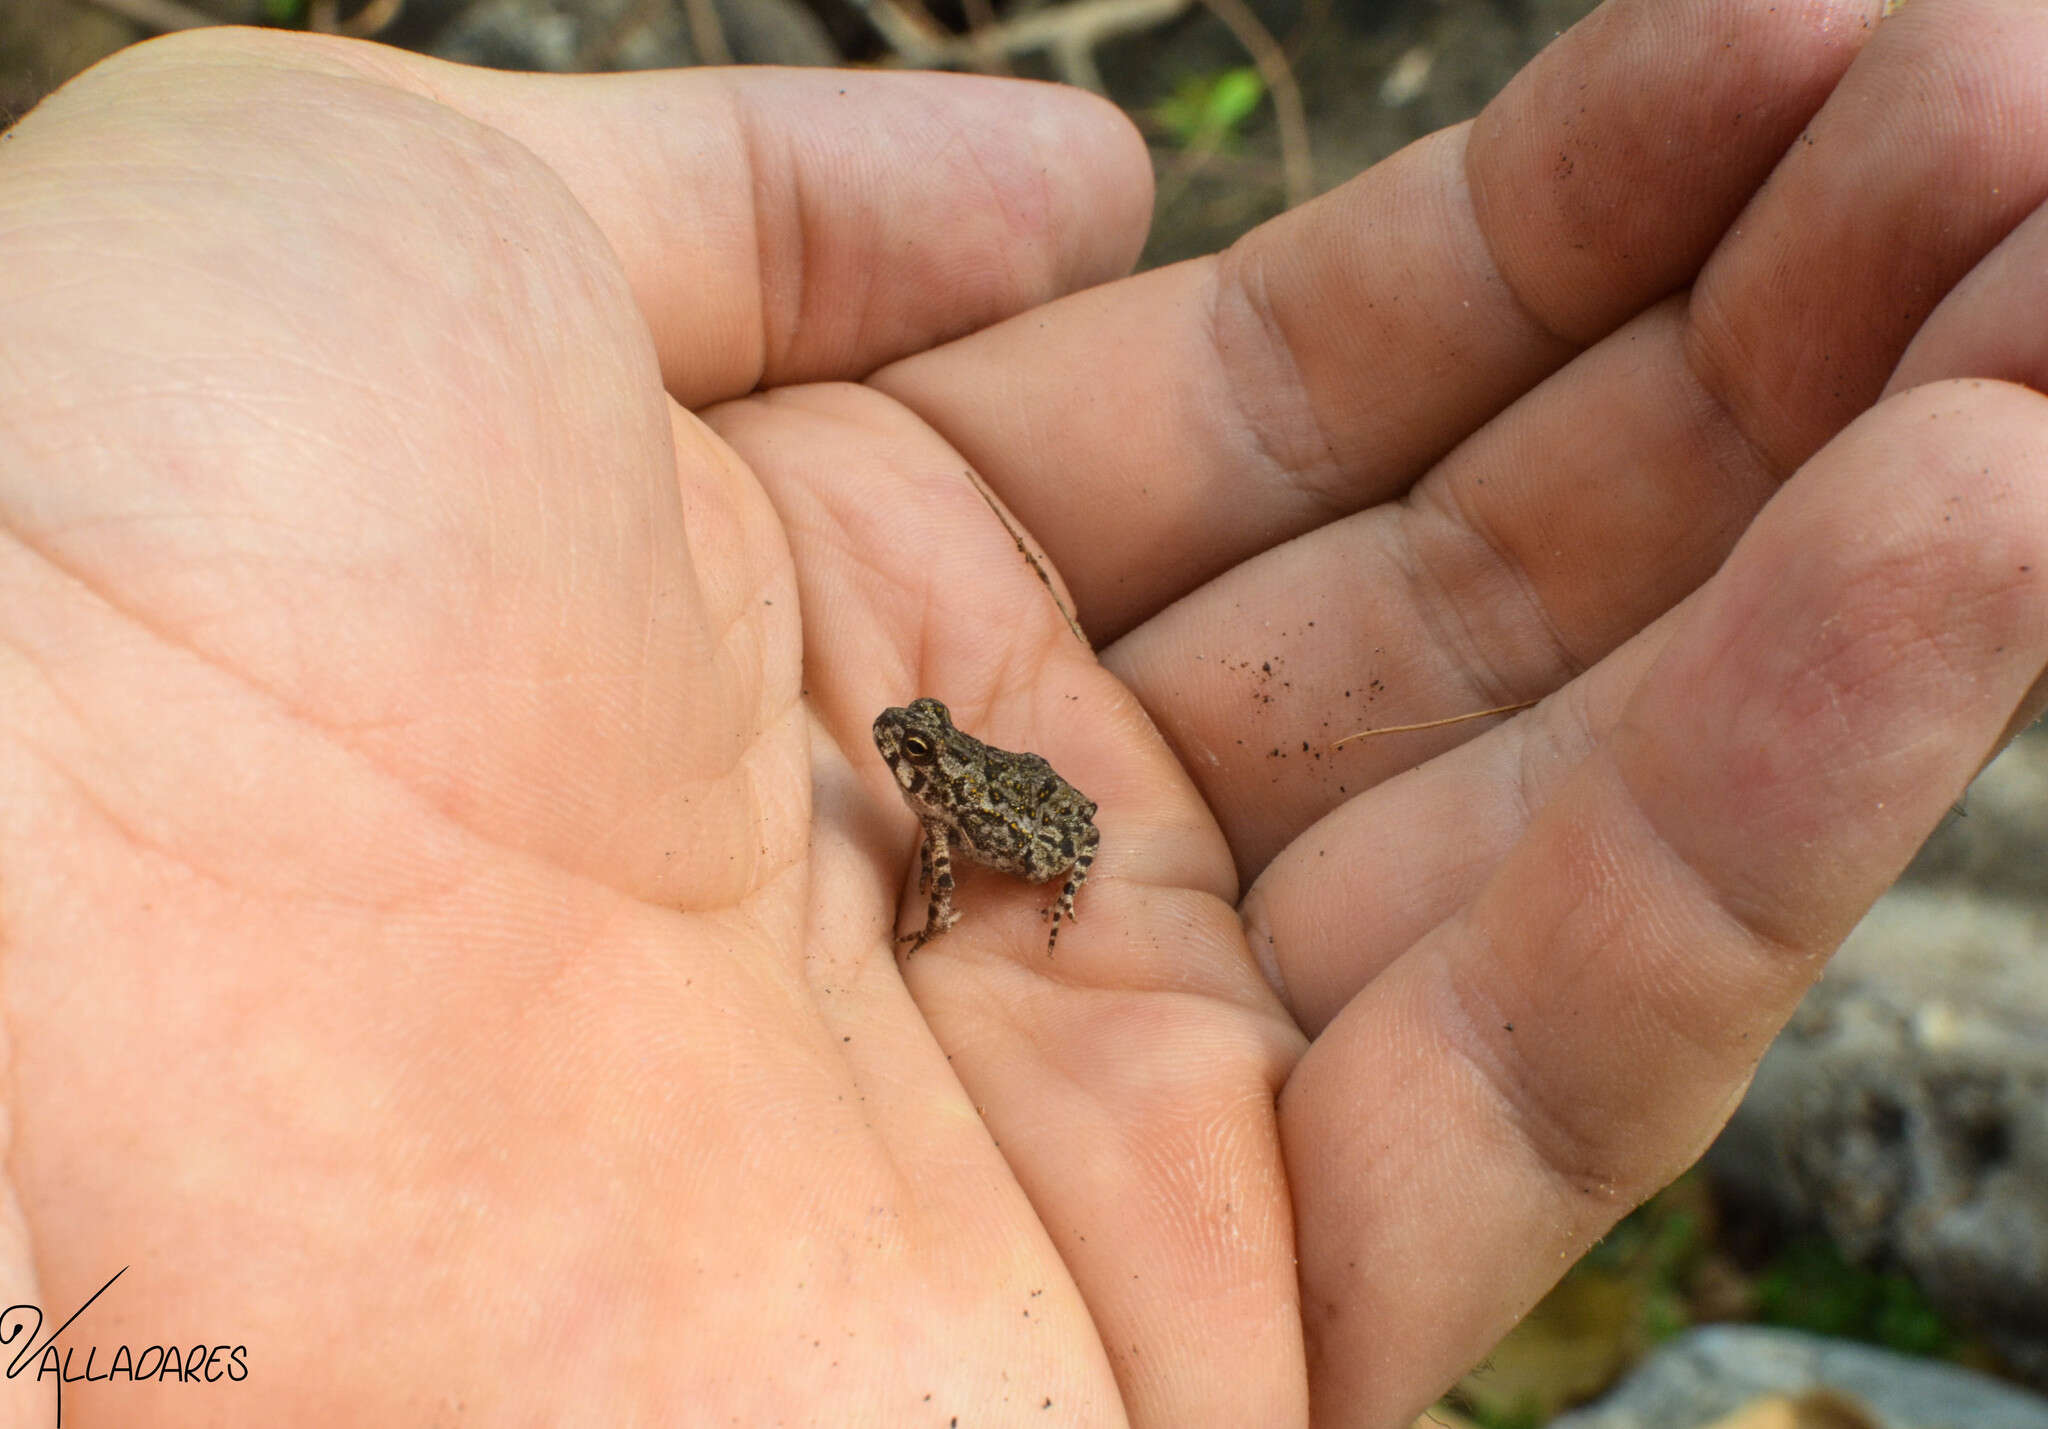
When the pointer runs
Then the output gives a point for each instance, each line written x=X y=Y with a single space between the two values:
x=1009 y=812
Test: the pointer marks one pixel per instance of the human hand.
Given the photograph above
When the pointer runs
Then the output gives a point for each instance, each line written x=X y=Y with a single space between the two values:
x=1487 y=426
x=446 y=860
x=447 y=954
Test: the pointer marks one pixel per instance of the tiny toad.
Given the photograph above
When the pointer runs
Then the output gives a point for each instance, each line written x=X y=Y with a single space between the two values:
x=1009 y=812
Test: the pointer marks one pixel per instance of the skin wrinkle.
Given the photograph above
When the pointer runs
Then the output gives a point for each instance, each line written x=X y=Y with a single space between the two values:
x=1326 y=497
x=317 y=891
x=1721 y=410
x=1442 y=499
x=1751 y=914
x=12 y=1227
x=743 y=138
x=1714 y=381
x=1015 y=214
x=1748 y=928
x=1765 y=945
x=1466 y=1009
x=163 y=638
x=298 y=718
x=740 y=621
x=1528 y=786
x=1437 y=609
x=1446 y=499
x=1569 y=1155
x=1565 y=1148
x=861 y=303
x=1496 y=277
x=1434 y=498
x=754 y=181
x=1714 y=417
x=88 y=796
x=1749 y=413
x=761 y=873
x=1265 y=948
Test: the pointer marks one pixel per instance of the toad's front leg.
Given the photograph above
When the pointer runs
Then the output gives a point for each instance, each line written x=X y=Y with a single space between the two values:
x=934 y=871
x=933 y=835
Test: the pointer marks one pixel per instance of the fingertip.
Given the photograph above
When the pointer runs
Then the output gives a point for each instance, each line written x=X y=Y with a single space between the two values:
x=1081 y=173
x=893 y=212
x=1609 y=168
x=1125 y=181
x=1801 y=318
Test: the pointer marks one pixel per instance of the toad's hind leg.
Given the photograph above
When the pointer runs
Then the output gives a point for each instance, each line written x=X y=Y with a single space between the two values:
x=1076 y=876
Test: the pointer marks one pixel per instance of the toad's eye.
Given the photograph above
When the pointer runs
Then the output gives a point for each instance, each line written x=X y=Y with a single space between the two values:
x=918 y=749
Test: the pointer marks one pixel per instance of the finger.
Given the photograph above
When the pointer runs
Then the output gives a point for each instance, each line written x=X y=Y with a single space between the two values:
x=1128 y=1077
x=1572 y=1037
x=788 y=225
x=1973 y=334
x=1211 y=410
x=1978 y=330
x=1604 y=496
x=1914 y=170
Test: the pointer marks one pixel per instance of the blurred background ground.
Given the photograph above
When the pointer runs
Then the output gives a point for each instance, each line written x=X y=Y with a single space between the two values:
x=1371 y=74
x=1886 y=1182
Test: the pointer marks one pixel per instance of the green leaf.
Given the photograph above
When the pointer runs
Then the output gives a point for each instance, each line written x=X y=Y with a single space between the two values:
x=1811 y=1287
x=1205 y=110
x=1233 y=97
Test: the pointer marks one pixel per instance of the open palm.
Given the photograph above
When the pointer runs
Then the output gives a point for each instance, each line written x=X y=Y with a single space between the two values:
x=462 y=526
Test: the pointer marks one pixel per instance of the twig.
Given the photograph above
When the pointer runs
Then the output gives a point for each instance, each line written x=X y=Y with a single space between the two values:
x=1036 y=564
x=1313 y=13
x=1436 y=723
x=909 y=30
x=158 y=15
x=1069 y=32
x=323 y=17
x=981 y=17
x=1186 y=166
x=1295 y=158
x=373 y=19
x=1243 y=168
x=599 y=50
x=707 y=33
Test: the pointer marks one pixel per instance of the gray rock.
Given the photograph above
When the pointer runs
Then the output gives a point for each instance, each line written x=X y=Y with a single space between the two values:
x=1997 y=841
x=1709 y=1373
x=561 y=36
x=1905 y=1108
